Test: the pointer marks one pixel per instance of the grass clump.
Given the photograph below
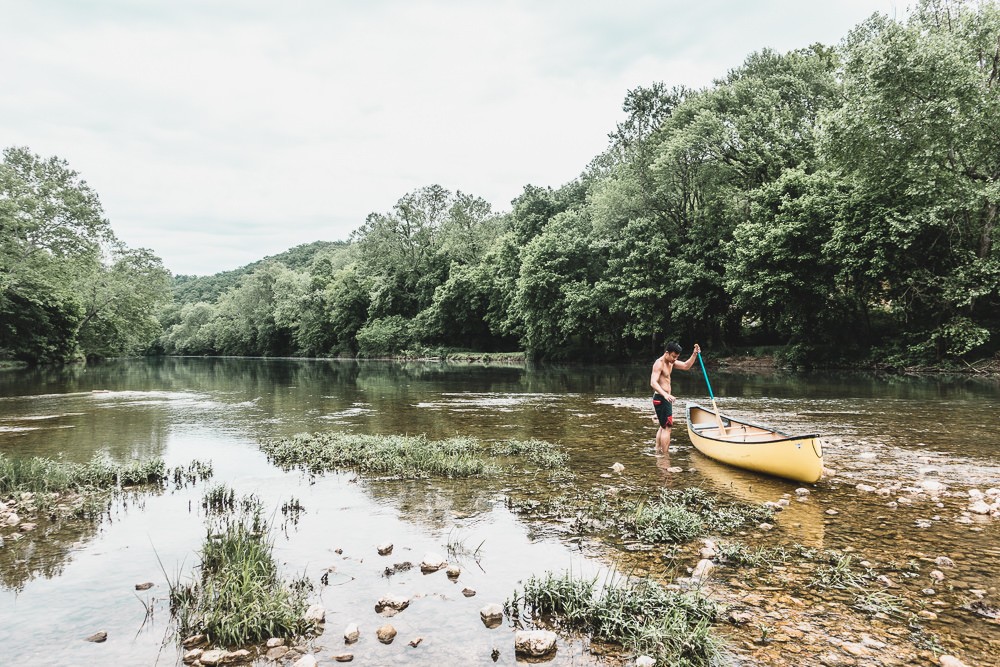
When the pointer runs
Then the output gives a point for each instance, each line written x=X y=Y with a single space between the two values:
x=839 y=573
x=540 y=452
x=740 y=555
x=673 y=628
x=239 y=597
x=682 y=515
x=43 y=475
x=402 y=456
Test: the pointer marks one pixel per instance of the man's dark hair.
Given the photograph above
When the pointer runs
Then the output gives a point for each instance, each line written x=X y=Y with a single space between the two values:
x=673 y=346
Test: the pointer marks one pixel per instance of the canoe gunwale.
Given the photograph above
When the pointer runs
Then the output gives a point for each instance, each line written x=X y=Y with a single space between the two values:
x=786 y=437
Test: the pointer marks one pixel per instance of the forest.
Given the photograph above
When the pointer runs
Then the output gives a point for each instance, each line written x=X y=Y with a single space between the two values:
x=833 y=204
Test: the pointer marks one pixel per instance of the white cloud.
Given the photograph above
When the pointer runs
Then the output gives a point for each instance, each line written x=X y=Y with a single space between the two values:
x=220 y=132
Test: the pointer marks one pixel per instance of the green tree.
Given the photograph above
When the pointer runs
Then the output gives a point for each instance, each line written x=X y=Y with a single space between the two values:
x=919 y=139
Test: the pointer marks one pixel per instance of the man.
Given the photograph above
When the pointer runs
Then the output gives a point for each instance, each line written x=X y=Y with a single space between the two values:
x=662 y=398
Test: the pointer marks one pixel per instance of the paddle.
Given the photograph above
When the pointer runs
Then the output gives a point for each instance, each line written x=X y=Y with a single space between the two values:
x=718 y=415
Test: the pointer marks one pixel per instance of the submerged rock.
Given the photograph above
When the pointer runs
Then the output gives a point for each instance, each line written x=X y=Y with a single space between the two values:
x=618 y=467
x=468 y=592
x=98 y=637
x=702 y=569
x=305 y=661
x=352 y=633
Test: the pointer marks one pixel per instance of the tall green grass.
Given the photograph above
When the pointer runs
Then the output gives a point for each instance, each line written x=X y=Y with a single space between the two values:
x=674 y=628
x=43 y=475
x=239 y=597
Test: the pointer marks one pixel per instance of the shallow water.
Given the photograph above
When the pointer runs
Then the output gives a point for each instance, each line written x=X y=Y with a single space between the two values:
x=59 y=587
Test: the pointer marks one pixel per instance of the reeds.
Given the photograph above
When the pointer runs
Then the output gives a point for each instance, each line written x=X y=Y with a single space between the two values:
x=674 y=628
x=239 y=597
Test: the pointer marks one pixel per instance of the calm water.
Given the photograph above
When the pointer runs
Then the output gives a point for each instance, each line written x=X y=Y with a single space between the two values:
x=59 y=587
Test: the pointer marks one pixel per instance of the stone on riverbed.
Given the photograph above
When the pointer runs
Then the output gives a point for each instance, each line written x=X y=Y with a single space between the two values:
x=315 y=614
x=468 y=592
x=951 y=661
x=644 y=661
x=305 y=661
x=351 y=633
x=980 y=507
x=98 y=637
x=390 y=605
x=432 y=563
x=702 y=569
x=492 y=615
x=534 y=643
x=384 y=549
x=453 y=571
x=867 y=488
x=386 y=634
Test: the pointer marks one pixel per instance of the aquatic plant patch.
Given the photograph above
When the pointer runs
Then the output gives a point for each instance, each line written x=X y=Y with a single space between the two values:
x=405 y=456
x=673 y=628
x=239 y=597
x=44 y=475
x=682 y=515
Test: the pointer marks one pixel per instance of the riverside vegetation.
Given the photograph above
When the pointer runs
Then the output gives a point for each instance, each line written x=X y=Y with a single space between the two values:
x=832 y=203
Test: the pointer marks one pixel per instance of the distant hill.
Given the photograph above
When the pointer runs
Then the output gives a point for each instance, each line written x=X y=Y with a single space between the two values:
x=191 y=289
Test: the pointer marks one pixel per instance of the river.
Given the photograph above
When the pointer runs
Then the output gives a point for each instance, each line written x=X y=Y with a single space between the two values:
x=58 y=587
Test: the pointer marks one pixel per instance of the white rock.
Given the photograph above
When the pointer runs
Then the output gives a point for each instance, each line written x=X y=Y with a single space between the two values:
x=992 y=493
x=534 y=643
x=618 y=467
x=975 y=494
x=702 y=569
x=213 y=657
x=644 y=661
x=980 y=507
x=13 y=519
x=432 y=563
x=491 y=612
x=394 y=602
x=868 y=456
x=453 y=571
x=932 y=486
x=384 y=549
x=951 y=661
x=784 y=502
x=315 y=614
x=352 y=633
x=867 y=488
x=937 y=575
x=275 y=641
x=305 y=661
x=802 y=491
x=944 y=561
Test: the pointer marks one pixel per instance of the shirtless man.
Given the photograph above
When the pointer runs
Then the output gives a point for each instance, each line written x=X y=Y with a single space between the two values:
x=662 y=398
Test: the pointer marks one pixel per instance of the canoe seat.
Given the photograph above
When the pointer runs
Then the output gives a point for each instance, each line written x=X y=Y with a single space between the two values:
x=710 y=425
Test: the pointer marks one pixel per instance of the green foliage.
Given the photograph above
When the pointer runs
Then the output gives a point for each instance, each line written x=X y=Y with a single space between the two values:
x=385 y=336
x=682 y=515
x=835 y=203
x=239 y=598
x=68 y=288
x=673 y=628
x=42 y=475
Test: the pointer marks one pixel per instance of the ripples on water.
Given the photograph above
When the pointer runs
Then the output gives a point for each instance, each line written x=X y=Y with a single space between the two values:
x=81 y=579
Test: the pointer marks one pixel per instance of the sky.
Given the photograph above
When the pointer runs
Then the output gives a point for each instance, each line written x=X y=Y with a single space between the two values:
x=219 y=132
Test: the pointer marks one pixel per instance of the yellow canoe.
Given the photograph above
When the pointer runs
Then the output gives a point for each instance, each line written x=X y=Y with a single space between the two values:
x=754 y=447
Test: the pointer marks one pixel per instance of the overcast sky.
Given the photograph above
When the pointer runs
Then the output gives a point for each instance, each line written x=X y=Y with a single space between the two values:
x=218 y=132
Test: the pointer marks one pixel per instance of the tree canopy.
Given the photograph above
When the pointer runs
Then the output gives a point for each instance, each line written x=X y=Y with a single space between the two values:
x=832 y=202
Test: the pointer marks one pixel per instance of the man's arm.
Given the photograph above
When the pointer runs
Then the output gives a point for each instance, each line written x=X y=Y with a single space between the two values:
x=686 y=365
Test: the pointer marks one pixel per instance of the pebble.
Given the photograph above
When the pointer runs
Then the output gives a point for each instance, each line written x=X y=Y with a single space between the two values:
x=344 y=657
x=98 y=637
x=468 y=592
x=386 y=634
x=432 y=563
x=384 y=549
x=352 y=633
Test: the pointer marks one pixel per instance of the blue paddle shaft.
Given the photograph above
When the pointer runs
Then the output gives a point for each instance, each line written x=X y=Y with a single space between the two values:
x=705 y=373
